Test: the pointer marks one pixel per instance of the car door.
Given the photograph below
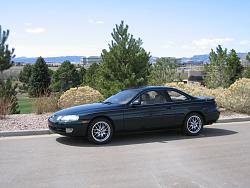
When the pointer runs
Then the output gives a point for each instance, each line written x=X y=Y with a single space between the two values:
x=136 y=117
x=148 y=114
x=159 y=110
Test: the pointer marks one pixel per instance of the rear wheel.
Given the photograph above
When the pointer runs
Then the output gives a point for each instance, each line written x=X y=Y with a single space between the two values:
x=100 y=131
x=193 y=124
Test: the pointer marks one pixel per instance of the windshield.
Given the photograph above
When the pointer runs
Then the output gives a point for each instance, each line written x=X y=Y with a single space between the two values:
x=123 y=97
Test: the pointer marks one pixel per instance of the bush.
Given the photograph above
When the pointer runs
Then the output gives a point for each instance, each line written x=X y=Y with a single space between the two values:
x=79 y=95
x=237 y=96
x=45 y=104
x=198 y=90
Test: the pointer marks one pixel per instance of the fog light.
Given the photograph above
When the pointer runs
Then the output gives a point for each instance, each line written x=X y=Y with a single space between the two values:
x=69 y=130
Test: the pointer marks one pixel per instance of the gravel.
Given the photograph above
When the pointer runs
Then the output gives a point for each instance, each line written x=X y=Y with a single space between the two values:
x=226 y=114
x=34 y=122
x=24 y=122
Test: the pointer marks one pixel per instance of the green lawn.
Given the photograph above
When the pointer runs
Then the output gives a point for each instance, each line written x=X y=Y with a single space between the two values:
x=25 y=104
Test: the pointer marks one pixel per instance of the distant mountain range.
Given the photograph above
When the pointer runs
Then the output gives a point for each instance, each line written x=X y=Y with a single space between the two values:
x=60 y=59
x=205 y=58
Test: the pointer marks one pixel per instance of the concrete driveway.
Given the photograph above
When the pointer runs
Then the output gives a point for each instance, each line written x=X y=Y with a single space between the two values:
x=220 y=157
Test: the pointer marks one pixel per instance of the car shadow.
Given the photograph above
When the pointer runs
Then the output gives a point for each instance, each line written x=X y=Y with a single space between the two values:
x=162 y=136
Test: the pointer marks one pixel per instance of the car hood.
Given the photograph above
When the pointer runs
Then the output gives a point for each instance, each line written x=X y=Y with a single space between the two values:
x=86 y=108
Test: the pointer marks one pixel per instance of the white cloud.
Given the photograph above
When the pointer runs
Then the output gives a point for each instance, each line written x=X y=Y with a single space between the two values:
x=35 y=30
x=206 y=43
x=210 y=42
x=100 y=22
x=244 y=42
x=91 y=21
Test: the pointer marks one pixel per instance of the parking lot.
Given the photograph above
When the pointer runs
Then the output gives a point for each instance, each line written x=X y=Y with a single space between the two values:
x=220 y=157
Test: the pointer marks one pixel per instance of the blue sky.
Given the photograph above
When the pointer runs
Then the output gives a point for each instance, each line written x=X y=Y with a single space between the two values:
x=175 y=28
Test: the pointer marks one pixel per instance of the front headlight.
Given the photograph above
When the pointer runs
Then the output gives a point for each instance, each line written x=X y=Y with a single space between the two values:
x=67 y=118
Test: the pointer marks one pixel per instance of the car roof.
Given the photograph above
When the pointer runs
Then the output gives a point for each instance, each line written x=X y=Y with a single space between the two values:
x=149 y=87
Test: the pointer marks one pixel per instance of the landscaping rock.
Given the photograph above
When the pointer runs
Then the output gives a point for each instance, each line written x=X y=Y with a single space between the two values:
x=24 y=122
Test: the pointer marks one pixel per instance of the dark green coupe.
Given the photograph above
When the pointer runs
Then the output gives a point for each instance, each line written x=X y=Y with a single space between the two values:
x=144 y=108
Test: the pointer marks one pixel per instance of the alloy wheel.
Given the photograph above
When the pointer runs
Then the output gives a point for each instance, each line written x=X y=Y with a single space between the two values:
x=194 y=124
x=101 y=131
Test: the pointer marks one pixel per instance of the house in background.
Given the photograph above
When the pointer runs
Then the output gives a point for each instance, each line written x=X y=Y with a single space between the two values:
x=87 y=61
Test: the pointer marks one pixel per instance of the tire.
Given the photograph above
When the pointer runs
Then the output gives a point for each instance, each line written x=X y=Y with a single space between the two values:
x=193 y=124
x=100 y=131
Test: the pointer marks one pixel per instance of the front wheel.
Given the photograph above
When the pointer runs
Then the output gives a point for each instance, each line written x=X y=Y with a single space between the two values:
x=100 y=131
x=193 y=124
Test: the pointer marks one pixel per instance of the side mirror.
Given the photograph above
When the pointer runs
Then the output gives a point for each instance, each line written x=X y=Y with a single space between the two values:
x=137 y=102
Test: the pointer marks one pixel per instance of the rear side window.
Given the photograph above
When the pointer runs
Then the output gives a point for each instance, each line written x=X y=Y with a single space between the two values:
x=176 y=96
x=153 y=97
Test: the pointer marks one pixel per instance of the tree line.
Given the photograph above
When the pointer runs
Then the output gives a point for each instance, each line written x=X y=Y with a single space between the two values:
x=124 y=64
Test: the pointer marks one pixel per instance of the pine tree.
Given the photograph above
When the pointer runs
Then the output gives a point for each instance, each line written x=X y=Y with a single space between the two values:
x=233 y=69
x=163 y=70
x=91 y=76
x=65 y=77
x=125 y=64
x=40 y=78
x=247 y=72
x=25 y=74
x=248 y=56
x=6 y=55
x=82 y=74
x=223 y=69
x=24 y=77
x=8 y=91
x=215 y=70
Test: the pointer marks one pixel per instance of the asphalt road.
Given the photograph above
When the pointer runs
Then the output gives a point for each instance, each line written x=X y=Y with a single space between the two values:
x=220 y=157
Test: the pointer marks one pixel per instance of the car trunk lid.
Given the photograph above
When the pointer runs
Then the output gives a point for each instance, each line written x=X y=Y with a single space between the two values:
x=205 y=98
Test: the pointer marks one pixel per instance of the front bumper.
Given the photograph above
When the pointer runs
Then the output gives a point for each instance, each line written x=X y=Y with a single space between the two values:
x=79 y=128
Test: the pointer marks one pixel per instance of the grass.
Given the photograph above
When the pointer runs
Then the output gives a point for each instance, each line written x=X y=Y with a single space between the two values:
x=25 y=104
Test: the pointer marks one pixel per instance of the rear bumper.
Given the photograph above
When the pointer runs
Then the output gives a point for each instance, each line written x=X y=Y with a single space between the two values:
x=79 y=129
x=212 y=117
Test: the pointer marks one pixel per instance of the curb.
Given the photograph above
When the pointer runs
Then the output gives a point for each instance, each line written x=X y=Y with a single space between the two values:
x=25 y=132
x=233 y=120
x=47 y=131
